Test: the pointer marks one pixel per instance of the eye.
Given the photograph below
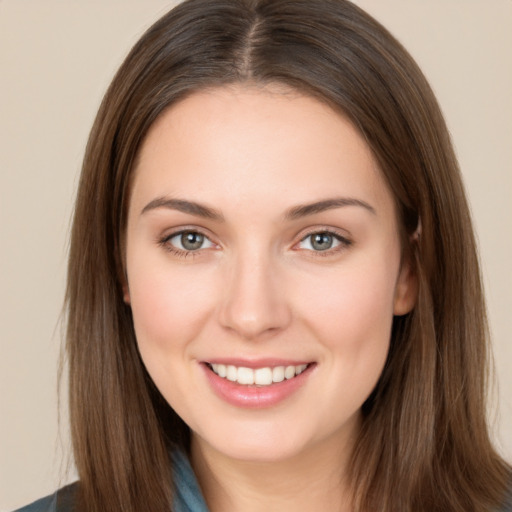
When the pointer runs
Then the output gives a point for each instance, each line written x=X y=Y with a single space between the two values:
x=188 y=241
x=323 y=241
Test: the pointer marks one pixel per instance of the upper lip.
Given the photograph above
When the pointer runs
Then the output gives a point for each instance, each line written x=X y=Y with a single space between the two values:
x=256 y=363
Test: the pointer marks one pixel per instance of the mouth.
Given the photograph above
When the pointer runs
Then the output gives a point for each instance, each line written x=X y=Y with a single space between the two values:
x=260 y=377
x=257 y=384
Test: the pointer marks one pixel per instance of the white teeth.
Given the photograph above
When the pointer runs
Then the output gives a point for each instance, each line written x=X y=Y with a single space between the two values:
x=263 y=376
x=278 y=374
x=231 y=373
x=289 y=372
x=245 y=376
x=221 y=370
x=260 y=376
x=299 y=369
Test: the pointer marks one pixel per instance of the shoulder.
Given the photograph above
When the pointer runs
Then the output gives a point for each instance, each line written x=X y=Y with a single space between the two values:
x=62 y=500
x=507 y=505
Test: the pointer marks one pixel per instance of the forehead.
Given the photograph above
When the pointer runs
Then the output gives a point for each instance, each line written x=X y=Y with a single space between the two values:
x=248 y=144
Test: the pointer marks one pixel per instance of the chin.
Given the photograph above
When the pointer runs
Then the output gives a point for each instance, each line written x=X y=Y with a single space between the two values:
x=262 y=442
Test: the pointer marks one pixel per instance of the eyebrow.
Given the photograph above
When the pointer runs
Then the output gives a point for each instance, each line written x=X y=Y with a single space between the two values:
x=304 y=210
x=297 y=212
x=184 y=206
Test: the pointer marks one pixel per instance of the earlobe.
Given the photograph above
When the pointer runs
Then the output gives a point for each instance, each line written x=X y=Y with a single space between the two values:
x=406 y=291
x=126 y=294
x=123 y=281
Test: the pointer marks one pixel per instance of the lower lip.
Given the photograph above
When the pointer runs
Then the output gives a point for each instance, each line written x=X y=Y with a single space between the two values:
x=255 y=397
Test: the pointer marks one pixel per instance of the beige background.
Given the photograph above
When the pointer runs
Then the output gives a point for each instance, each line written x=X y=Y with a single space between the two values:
x=56 y=59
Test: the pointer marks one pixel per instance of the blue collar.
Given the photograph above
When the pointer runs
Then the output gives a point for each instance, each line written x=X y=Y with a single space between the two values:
x=187 y=494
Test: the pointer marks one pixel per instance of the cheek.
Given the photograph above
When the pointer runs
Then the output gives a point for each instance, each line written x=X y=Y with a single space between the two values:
x=354 y=303
x=352 y=317
x=169 y=308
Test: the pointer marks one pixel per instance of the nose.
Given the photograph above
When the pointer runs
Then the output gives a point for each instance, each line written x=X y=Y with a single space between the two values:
x=254 y=301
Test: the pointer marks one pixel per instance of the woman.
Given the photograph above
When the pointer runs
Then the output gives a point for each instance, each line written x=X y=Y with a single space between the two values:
x=273 y=293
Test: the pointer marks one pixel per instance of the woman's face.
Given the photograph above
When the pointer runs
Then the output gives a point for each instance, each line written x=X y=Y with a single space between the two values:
x=263 y=270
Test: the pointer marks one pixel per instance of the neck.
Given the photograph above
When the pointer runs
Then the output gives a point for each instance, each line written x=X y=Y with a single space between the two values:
x=315 y=479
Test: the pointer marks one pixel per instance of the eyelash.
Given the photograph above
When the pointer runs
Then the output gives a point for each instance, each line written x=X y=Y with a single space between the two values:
x=343 y=241
x=165 y=243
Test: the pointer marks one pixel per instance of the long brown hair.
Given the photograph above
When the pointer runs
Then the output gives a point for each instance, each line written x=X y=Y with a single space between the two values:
x=424 y=444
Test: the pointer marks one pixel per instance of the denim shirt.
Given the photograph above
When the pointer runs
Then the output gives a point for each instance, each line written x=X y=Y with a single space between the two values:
x=188 y=496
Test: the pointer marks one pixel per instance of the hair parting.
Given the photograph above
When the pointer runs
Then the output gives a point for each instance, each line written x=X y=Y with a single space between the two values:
x=424 y=444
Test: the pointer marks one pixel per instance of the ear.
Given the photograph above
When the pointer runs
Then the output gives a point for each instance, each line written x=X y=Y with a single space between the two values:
x=406 y=290
x=126 y=289
x=122 y=274
x=126 y=293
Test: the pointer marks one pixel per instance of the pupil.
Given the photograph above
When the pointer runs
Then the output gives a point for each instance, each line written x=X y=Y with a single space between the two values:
x=322 y=241
x=192 y=241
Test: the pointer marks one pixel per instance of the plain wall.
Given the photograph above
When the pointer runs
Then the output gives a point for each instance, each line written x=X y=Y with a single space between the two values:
x=56 y=60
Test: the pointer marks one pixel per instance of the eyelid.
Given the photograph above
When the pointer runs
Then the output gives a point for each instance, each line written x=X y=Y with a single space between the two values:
x=164 y=241
x=342 y=237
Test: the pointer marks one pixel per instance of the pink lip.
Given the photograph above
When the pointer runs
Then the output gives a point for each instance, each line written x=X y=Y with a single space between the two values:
x=256 y=363
x=255 y=397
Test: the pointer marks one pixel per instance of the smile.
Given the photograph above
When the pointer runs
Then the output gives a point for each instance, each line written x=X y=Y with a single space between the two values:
x=257 y=376
x=256 y=385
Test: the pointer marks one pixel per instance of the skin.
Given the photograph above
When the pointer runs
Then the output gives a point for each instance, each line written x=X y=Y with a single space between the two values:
x=258 y=288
